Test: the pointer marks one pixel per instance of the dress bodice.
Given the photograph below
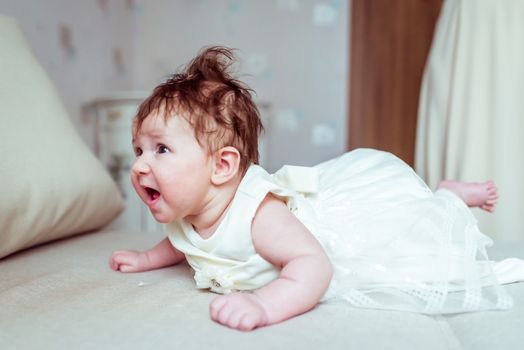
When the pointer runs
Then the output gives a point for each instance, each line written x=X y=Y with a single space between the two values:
x=228 y=260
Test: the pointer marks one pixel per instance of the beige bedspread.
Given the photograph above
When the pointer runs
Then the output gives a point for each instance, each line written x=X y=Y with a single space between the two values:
x=64 y=296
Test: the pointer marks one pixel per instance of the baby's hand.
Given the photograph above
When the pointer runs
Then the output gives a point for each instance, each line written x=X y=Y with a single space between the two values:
x=241 y=311
x=128 y=261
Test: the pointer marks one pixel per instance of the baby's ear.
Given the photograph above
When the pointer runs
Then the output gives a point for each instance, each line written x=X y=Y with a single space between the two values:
x=226 y=165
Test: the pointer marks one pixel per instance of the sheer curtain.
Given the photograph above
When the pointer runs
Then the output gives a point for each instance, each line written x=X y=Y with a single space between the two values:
x=471 y=111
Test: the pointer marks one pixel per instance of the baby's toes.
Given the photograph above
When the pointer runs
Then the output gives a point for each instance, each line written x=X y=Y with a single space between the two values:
x=493 y=194
x=488 y=207
x=490 y=186
x=493 y=197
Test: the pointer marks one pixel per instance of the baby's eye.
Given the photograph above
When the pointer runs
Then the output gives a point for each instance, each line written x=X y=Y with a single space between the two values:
x=162 y=149
x=138 y=151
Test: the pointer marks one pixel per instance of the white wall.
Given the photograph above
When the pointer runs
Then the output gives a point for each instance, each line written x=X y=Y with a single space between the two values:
x=294 y=57
x=296 y=52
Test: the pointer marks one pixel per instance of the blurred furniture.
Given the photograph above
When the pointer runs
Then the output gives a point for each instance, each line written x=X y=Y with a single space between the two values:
x=111 y=118
x=390 y=40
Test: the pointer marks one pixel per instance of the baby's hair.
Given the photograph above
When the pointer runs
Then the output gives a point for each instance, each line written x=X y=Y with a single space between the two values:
x=218 y=107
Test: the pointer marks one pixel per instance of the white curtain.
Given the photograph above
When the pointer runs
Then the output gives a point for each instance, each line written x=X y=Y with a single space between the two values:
x=471 y=111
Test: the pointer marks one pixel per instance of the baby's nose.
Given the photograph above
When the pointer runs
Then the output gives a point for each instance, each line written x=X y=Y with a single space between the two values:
x=140 y=167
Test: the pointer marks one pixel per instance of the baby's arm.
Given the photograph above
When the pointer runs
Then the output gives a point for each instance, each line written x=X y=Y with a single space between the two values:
x=161 y=255
x=280 y=238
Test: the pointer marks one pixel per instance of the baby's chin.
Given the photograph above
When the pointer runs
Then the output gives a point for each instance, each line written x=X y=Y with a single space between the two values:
x=163 y=218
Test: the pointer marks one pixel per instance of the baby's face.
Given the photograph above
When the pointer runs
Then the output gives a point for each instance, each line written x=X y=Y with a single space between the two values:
x=172 y=171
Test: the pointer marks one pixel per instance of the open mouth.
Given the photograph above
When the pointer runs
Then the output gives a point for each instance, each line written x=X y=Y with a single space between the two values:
x=152 y=194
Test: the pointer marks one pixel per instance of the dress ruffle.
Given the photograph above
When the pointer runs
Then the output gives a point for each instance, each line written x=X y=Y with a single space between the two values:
x=395 y=244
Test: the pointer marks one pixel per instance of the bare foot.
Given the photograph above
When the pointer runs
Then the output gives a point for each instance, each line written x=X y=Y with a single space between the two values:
x=475 y=194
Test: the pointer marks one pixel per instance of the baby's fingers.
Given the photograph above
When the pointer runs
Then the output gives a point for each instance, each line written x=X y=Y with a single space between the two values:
x=235 y=319
x=114 y=261
x=113 y=264
x=247 y=323
x=127 y=268
x=123 y=261
x=225 y=313
x=216 y=306
x=242 y=320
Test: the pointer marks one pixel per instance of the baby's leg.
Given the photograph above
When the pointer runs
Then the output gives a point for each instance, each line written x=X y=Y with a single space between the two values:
x=475 y=194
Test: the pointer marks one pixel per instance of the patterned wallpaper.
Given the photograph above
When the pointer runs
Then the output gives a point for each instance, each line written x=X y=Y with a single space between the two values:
x=85 y=46
x=294 y=53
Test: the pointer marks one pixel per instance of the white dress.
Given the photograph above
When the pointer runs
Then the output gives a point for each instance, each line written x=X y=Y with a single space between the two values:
x=394 y=244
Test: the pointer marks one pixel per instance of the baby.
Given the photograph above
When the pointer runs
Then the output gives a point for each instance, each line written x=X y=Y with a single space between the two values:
x=272 y=243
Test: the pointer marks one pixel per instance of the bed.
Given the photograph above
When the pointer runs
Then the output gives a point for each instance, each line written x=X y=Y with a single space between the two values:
x=57 y=291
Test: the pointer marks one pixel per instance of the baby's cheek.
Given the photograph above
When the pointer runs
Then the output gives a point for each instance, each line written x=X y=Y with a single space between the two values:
x=134 y=182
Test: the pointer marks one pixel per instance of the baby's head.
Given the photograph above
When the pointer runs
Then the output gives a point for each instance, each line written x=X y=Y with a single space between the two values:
x=218 y=107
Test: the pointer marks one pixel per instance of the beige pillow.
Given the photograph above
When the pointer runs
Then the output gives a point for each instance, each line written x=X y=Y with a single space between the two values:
x=51 y=184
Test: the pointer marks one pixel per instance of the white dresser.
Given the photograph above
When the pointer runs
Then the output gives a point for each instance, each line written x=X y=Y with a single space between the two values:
x=111 y=120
